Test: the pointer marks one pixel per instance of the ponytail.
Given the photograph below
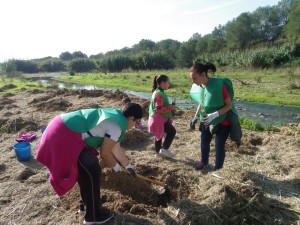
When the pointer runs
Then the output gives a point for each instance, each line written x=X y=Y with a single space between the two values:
x=200 y=68
x=154 y=85
x=211 y=67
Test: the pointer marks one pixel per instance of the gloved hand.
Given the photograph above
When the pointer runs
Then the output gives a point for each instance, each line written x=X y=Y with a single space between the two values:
x=117 y=168
x=131 y=170
x=193 y=122
x=210 y=117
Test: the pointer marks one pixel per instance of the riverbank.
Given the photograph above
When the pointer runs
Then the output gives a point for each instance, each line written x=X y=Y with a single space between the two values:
x=259 y=181
x=250 y=113
x=276 y=87
x=254 y=116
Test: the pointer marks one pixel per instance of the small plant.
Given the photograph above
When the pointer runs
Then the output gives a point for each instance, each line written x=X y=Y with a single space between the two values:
x=257 y=79
x=3 y=78
x=292 y=75
x=40 y=84
x=72 y=73
x=54 y=85
x=253 y=125
x=293 y=86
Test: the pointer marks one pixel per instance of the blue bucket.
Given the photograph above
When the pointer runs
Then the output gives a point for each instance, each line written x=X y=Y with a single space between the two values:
x=23 y=151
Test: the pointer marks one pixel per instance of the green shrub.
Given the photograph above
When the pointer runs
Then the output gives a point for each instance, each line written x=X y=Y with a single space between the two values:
x=253 y=125
x=81 y=65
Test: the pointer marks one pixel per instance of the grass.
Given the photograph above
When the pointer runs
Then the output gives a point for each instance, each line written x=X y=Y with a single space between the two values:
x=271 y=86
x=253 y=125
x=17 y=84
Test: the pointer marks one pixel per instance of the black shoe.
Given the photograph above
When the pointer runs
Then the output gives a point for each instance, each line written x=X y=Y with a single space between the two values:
x=105 y=216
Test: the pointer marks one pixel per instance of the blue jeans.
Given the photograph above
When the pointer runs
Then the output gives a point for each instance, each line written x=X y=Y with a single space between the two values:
x=220 y=140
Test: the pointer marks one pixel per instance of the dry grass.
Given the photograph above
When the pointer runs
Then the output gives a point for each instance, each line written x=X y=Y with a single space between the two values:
x=259 y=184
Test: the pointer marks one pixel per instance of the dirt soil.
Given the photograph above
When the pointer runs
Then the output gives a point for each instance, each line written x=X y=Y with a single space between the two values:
x=259 y=184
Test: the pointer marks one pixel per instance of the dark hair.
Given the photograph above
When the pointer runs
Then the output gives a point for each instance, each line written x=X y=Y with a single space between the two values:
x=158 y=80
x=132 y=109
x=200 y=68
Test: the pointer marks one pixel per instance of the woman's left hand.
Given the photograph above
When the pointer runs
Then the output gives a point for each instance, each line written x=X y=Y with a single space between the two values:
x=210 y=117
x=131 y=170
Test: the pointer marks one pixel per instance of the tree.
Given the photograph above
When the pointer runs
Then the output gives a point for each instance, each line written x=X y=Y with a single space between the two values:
x=66 y=56
x=78 y=55
x=267 y=23
x=98 y=56
x=202 y=44
x=145 y=45
x=195 y=37
x=216 y=41
x=239 y=32
x=284 y=9
x=9 y=66
x=168 y=46
x=81 y=65
x=52 y=66
x=293 y=25
x=186 y=54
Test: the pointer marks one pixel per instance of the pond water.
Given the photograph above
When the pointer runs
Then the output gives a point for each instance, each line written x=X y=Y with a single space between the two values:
x=264 y=113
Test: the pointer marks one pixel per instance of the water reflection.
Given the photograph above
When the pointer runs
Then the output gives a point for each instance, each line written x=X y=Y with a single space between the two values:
x=260 y=112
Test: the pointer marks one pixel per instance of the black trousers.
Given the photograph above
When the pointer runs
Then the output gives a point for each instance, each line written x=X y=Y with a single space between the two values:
x=170 y=134
x=89 y=172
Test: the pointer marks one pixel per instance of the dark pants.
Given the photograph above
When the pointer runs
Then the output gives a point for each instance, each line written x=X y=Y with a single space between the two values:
x=89 y=172
x=170 y=134
x=220 y=140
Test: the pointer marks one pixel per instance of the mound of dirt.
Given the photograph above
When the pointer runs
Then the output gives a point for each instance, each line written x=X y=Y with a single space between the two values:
x=7 y=87
x=135 y=138
x=17 y=124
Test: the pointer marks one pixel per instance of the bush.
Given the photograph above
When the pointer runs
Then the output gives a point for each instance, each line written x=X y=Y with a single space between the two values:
x=81 y=65
x=52 y=66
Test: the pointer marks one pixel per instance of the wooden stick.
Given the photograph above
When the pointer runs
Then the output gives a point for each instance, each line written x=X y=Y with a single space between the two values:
x=150 y=180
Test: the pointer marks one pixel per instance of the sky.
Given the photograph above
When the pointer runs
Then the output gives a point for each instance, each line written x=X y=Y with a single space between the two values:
x=41 y=28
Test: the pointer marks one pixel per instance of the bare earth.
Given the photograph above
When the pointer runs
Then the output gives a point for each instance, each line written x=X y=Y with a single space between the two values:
x=260 y=182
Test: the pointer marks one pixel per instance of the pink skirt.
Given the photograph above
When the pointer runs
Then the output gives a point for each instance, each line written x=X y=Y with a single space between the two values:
x=156 y=125
x=58 y=150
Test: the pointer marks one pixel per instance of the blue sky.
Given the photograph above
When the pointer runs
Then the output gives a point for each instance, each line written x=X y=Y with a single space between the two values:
x=39 y=28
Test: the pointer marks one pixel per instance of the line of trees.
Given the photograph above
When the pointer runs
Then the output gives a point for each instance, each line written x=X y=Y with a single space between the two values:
x=269 y=36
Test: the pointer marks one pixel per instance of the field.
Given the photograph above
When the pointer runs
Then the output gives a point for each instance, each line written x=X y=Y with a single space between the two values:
x=273 y=86
x=259 y=184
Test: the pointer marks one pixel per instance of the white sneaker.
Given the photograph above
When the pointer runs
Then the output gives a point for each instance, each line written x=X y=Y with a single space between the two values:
x=81 y=210
x=104 y=218
x=166 y=152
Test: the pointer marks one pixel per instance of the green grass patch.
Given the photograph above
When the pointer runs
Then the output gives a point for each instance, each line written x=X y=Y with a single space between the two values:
x=253 y=125
x=13 y=85
x=272 y=87
x=136 y=81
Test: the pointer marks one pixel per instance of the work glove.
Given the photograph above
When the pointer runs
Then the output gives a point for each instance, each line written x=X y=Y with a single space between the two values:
x=210 y=117
x=117 y=168
x=193 y=122
x=131 y=170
